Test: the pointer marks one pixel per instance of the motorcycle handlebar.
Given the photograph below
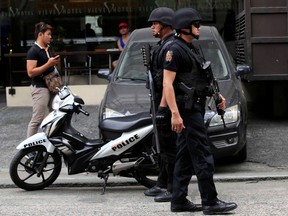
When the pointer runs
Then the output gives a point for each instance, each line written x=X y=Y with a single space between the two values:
x=83 y=111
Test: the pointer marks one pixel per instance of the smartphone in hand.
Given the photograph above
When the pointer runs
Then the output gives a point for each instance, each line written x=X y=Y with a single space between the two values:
x=57 y=56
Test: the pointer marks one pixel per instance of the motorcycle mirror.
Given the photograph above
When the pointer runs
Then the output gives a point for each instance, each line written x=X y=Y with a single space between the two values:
x=78 y=100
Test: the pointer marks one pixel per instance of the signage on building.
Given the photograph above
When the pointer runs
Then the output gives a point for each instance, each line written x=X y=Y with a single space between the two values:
x=75 y=7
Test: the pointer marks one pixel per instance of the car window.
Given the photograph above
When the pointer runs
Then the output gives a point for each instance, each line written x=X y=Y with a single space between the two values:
x=132 y=66
x=212 y=52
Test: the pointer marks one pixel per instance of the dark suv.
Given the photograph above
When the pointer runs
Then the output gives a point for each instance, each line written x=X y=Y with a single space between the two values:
x=126 y=92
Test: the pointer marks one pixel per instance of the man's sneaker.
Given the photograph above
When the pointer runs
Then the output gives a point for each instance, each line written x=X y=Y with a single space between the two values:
x=187 y=206
x=154 y=191
x=163 y=197
x=219 y=207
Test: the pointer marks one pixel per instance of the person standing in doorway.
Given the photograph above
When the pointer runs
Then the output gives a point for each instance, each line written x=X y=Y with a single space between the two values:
x=183 y=69
x=161 y=26
x=40 y=62
x=88 y=31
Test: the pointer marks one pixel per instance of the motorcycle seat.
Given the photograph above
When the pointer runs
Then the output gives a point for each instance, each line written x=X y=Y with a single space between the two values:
x=126 y=123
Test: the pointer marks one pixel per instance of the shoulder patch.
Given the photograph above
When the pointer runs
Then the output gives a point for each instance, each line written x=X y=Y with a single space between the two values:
x=169 y=56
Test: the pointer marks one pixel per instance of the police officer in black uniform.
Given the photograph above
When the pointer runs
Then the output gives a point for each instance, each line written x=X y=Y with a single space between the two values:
x=161 y=26
x=186 y=86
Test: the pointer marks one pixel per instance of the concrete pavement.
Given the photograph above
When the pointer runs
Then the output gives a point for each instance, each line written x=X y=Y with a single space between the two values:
x=246 y=171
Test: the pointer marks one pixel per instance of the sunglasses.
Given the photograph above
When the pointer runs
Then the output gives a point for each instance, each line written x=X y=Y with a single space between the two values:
x=196 y=24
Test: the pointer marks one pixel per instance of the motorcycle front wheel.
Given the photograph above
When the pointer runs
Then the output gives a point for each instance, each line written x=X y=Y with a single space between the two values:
x=29 y=171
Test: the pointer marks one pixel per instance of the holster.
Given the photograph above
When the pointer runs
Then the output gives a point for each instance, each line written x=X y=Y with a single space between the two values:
x=189 y=95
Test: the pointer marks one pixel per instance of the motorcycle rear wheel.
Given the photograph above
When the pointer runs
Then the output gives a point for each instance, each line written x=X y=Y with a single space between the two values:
x=24 y=168
x=146 y=173
x=146 y=180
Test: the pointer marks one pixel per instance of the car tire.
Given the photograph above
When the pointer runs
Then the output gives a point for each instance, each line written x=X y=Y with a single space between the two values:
x=241 y=156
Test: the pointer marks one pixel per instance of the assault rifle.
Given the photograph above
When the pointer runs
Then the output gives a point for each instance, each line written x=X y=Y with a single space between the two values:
x=214 y=87
x=150 y=84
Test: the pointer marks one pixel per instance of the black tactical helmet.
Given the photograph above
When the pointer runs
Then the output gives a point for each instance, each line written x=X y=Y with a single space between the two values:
x=184 y=17
x=163 y=15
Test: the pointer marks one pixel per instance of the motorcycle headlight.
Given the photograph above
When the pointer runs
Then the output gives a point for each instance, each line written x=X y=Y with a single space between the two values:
x=231 y=116
x=108 y=113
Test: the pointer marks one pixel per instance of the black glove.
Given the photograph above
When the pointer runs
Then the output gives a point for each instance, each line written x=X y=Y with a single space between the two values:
x=162 y=116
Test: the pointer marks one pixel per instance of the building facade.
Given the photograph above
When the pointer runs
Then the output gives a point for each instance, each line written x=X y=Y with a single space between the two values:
x=69 y=17
x=255 y=33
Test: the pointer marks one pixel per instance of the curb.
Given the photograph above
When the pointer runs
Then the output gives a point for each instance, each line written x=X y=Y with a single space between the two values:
x=91 y=180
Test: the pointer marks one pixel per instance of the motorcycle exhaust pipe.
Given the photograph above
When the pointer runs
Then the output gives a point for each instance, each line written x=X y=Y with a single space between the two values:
x=119 y=166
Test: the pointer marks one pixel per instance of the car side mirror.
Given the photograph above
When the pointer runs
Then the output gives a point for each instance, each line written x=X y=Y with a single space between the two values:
x=104 y=73
x=242 y=70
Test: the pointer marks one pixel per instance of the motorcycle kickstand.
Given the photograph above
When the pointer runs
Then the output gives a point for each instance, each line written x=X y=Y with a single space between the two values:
x=105 y=176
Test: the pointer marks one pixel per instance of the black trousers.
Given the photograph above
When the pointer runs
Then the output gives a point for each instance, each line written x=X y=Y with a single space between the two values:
x=168 y=150
x=167 y=141
x=193 y=156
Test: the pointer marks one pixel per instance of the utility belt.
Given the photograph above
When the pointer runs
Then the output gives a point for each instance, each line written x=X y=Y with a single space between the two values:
x=188 y=102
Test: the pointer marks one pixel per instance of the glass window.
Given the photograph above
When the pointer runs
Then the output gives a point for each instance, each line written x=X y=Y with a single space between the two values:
x=132 y=66
x=211 y=52
x=69 y=19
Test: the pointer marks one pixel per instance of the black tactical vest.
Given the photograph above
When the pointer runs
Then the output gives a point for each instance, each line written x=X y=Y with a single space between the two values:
x=197 y=77
x=157 y=65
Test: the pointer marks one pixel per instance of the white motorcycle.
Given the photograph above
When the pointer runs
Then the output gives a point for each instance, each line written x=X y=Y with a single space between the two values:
x=126 y=148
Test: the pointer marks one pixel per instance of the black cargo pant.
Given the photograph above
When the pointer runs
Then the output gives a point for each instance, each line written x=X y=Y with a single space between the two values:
x=193 y=156
x=167 y=142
